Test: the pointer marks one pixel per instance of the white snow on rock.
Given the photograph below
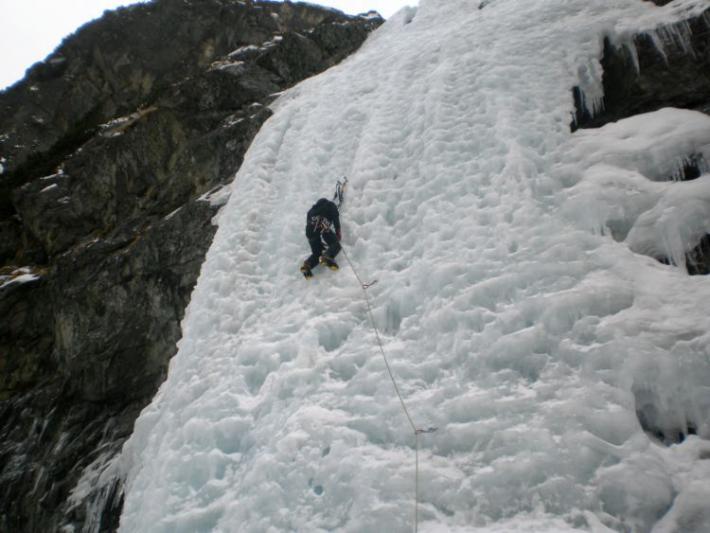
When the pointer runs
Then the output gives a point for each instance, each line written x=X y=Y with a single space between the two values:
x=243 y=49
x=216 y=197
x=49 y=188
x=235 y=66
x=18 y=276
x=118 y=126
x=56 y=175
x=515 y=301
x=22 y=278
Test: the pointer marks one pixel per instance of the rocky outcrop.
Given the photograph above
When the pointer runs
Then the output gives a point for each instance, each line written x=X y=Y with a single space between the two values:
x=669 y=67
x=116 y=152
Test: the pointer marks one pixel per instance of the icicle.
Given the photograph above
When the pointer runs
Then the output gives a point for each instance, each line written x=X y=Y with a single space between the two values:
x=677 y=35
x=689 y=167
x=703 y=158
x=681 y=164
x=98 y=492
x=591 y=90
x=630 y=46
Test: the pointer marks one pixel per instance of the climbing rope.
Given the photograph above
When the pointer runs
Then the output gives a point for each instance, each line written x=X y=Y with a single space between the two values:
x=415 y=430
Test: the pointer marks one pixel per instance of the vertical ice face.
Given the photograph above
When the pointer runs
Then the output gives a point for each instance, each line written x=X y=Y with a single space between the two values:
x=531 y=339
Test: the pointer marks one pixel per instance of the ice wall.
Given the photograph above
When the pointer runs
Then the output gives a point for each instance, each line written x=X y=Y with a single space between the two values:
x=541 y=343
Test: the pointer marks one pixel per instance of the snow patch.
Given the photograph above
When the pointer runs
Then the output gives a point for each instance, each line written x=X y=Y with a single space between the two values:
x=58 y=174
x=49 y=188
x=234 y=67
x=118 y=126
x=244 y=49
x=370 y=15
x=18 y=276
x=243 y=53
x=216 y=197
x=23 y=278
x=172 y=213
x=232 y=120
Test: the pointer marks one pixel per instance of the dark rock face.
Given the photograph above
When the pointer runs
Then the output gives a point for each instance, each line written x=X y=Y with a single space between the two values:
x=115 y=155
x=25 y=332
x=678 y=75
x=674 y=74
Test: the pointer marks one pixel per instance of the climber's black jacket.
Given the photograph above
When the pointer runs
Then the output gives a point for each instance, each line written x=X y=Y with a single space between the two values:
x=322 y=217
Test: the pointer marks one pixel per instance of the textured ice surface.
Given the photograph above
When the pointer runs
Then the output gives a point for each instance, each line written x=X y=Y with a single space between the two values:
x=515 y=300
x=629 y=185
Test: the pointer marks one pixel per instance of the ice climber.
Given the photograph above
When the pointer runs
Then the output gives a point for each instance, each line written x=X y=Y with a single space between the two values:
x=323 y=234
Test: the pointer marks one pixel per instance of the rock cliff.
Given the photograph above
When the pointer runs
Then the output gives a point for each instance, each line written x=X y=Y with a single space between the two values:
x=114 y=156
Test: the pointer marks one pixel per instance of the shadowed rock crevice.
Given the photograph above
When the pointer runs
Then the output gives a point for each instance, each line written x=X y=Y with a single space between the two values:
x=659 y=420
x=117 y=154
